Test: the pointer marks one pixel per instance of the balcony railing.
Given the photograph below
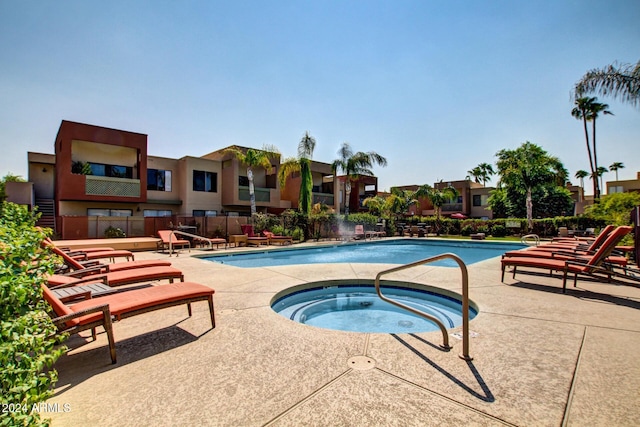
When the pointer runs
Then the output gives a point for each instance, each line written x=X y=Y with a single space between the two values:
x=107 y=186
x=451 y=207
x=326 y=198
x=262 y=194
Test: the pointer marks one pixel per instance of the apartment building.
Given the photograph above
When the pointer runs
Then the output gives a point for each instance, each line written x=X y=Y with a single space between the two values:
x=98 y=172
x=624 y=186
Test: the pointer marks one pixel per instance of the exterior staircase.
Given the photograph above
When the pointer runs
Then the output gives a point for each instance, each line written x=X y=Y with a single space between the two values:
x=48 y=218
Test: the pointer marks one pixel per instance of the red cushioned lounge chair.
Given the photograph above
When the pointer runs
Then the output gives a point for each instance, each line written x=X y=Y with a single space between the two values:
x=93 y=268
x=91 y=313
x=590 y=265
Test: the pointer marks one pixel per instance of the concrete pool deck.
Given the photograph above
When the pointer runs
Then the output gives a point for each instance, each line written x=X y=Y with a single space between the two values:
x=541 y=358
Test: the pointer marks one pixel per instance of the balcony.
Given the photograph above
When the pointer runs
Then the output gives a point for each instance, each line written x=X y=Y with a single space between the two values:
x=108 y=186
x=326 y=198
x=452 y=207
x=262 y=194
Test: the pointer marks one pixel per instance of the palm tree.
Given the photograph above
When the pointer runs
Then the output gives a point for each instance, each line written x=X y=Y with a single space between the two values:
x=599 y=172
x=354 y=164
x=615 y=166
x=252 y=158
x=438 y=198
x=526 y=168
x=581 y=112
x=596 y=108
x=475 y=173
x=487 y=172
x=581 y=175
x=301 y=164
x=618 y=81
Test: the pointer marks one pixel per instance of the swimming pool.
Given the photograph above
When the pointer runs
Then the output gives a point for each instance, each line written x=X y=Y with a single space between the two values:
x=397 y=251
x=346 y=306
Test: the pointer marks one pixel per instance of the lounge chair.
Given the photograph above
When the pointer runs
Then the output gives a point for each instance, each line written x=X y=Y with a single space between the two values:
x=273 y=238
x=91 y=313
x=590 y=265
x=570 y=252
x=93 y=253
x=169 y=240
x=95 y=268
x=118 y=278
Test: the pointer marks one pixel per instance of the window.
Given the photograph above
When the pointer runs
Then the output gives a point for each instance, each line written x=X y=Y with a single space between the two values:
x=158 y=180
x=205 y=181
x=480 y=200
x=201 y=213
x=616 y=189
x=109 y=212
x=156 y=212
x=113 y=171
x=243 y=181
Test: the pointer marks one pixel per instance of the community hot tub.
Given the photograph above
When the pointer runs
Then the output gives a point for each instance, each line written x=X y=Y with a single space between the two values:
x=353 y=305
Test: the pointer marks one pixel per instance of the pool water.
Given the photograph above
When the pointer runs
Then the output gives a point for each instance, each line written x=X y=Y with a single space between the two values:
x=384 y=252
x=359 y=309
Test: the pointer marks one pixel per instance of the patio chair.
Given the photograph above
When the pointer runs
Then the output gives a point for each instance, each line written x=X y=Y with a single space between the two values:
x=93 y=253
x=593 y=265
x=118 y=278
x=273 y=238
x=570 y=252
x=92 y=267
x=169 y=240
x=91 y=313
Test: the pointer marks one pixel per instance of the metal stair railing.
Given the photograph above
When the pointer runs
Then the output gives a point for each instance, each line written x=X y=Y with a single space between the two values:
x=465 y=300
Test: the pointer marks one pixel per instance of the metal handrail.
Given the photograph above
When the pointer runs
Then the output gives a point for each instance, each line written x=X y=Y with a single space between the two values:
x=526 y=238
x=465 y=300
x=193 y=236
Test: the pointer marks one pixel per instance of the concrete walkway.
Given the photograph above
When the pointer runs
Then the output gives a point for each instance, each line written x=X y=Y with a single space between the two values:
x=541 y=358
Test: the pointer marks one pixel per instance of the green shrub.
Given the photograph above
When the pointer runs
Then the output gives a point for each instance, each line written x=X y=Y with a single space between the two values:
x=499 y=231
x=26 y=332
x=113 y=232
x=278 y=230
x=298 y=234
x=466 y=230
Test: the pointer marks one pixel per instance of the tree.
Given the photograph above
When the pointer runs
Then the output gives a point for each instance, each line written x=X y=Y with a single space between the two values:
x=354 y=164
x=482 y=173
x=252 y=158
x=301 y=164
x=614 y=208
x=599 y=172
x=581 y=112
x=621 y=82
x=587 y=110
x=595 y=109
x=581 y=175
x=438 y=198
x=615 y=166
x=526 y=168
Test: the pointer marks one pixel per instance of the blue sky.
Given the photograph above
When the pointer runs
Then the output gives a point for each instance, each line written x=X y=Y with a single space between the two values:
x=436 y=87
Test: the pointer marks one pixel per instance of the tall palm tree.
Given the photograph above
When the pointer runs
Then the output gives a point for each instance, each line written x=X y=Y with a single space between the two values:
x=597 y=108
x=581 y=112
x=618 y=81
x=581 y=175
x=615 y=166
x=301 y=164
x=526 y=168
x=253 y=158
x=354 y=164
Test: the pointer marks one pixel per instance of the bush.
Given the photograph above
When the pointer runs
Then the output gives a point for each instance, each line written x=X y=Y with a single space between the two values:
x=466 y=230
x=113 y=232
x=298 y=234
x=499 y=231
x=26 y=332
